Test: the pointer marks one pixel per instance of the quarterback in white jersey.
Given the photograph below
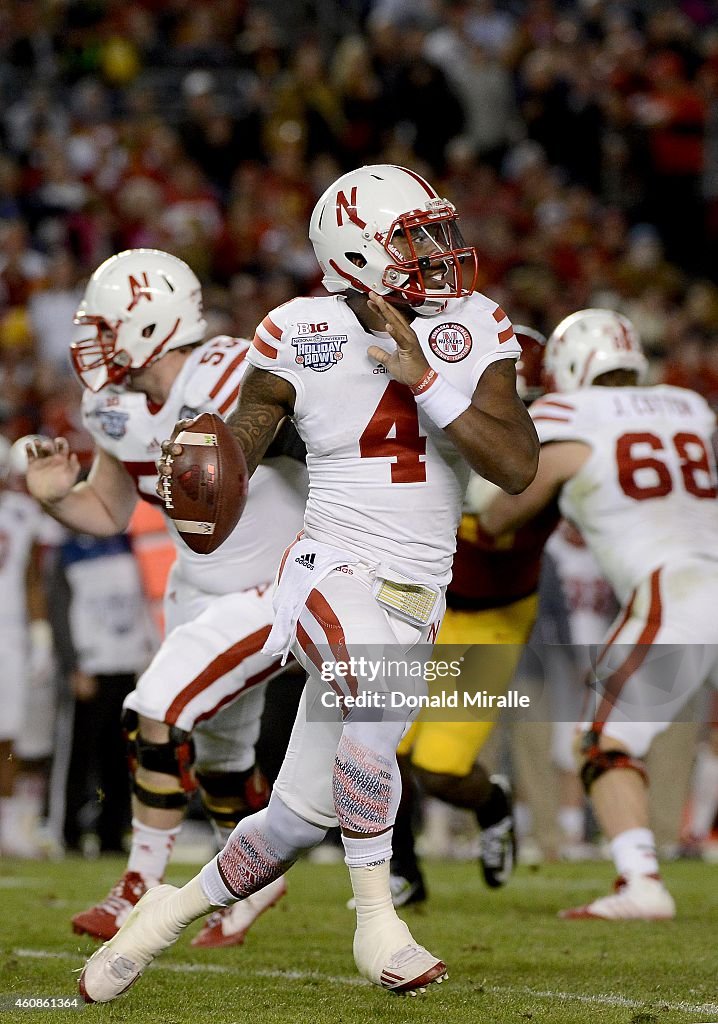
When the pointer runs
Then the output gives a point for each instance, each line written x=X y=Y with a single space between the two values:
x=393 y=406
x=633 y=468
x=144 y=366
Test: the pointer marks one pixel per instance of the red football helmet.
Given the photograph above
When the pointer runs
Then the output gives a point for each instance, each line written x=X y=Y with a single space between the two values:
x=529 y=368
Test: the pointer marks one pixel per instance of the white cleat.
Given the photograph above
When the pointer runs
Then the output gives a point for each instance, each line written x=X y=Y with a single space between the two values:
x=118 y=964
x=229 y=926
x=408 y=969
x=641 y=898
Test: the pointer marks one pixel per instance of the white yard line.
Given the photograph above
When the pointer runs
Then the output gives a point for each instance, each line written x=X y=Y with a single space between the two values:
x=599 y=999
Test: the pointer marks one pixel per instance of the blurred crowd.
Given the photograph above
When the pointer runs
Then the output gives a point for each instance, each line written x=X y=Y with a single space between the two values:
x=579 y=141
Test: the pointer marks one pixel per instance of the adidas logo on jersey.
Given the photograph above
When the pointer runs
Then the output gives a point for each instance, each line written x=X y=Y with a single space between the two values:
x=306 y=560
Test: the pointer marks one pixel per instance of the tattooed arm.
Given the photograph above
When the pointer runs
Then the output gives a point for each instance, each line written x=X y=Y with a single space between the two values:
x=264 y=400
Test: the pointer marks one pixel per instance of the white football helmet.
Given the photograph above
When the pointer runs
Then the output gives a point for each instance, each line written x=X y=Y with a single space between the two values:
x=383 y=228
x=141 y=303
x=589 y=343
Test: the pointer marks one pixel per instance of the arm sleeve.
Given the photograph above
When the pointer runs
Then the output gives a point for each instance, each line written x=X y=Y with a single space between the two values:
x=559 y=418
x=496 y=340
x=271 y=347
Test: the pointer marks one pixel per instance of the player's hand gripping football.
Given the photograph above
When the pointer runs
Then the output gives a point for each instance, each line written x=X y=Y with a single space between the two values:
x=52 y=470
x=408 y=363
x=170 y=451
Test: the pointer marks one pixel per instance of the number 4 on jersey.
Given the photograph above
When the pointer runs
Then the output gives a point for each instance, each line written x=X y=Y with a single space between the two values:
x=393 y=432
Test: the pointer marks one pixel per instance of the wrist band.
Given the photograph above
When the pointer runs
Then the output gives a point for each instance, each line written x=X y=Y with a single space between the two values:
x=441 y=401
x=426 y=381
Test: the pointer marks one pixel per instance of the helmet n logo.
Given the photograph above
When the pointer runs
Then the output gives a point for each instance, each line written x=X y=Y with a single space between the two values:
x=139 y=290
x=348 y=207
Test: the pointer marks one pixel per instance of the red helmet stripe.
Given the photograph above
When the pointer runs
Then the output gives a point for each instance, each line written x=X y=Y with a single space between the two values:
x=424 y=184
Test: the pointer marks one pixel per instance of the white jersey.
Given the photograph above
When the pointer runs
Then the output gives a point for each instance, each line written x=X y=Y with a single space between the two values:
x=384 y=481
x=22 y=523
x=646 y=496
x=128 y=427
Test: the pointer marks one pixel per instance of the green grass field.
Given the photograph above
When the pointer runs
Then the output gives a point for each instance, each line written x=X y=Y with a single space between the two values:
x=509 y=957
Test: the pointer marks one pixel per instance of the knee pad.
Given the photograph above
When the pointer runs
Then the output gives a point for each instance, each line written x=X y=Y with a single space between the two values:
x=230 y=796
x=173 y=758
x=597 y=762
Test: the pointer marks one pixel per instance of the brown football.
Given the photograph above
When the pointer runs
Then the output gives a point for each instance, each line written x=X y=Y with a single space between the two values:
x=207 y=490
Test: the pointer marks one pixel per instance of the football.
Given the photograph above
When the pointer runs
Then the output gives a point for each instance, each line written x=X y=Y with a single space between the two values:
x=206 y=492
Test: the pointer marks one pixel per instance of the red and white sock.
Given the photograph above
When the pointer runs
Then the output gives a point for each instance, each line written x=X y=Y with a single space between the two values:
x=151 y=850
x=634 y=853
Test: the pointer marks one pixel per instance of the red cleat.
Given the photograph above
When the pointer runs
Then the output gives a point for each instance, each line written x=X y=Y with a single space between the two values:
x=105 y=919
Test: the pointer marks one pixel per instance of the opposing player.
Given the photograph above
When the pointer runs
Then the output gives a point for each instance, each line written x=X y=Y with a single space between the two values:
x=633 y=469
x=144 y=365
x=398 y=384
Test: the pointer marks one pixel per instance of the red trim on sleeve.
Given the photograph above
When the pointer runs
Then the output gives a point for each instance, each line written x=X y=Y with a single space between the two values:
x=499 y=315
x=271 y=328
x=263 y=348
x=506 y=335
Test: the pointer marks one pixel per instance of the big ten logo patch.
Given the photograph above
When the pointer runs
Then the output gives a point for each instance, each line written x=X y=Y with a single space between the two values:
x=450 y=342
x=312 y=328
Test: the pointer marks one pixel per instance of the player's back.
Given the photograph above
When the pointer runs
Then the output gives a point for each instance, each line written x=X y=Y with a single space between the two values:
x=646 y=496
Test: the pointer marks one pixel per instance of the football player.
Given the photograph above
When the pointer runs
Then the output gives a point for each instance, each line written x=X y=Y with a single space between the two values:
x=27 y=660
x=399 y=383
x=633 y=468
x=144 y=364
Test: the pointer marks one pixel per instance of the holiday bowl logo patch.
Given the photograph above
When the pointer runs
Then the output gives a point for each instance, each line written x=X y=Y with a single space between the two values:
x=319 y=352
x=113 y=423
x=450 y=342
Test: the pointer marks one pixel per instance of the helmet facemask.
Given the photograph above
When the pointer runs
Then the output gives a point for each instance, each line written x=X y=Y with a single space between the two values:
x=430 y=262
x=96 y=360
x=384 y=229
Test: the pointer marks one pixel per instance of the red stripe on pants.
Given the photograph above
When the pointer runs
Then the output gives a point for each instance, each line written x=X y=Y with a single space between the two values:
x=617 y=680
x=221 y=665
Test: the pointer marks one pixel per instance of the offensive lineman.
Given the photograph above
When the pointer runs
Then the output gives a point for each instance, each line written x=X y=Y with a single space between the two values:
x=633 y=468
x=144 y=366
x=393 y=417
